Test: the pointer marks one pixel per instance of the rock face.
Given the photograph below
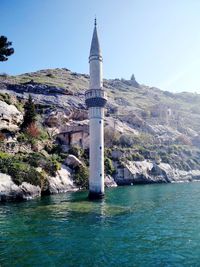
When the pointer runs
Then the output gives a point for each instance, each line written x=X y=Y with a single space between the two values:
x=144 y=172
x=148 y=115
x=62 y=182
x=109 y=181
x=30 y=191
x=10 y=117
x=9 y=191
x=73 y=161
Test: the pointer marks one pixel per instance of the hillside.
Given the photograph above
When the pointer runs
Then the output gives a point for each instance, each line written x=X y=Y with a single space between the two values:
x=149 y=133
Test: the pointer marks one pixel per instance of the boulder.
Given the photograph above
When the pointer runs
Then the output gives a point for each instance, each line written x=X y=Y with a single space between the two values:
x=10 y=117
x=9 y=191
x=30 y=191
x=134 y=172
x=62 y=182
x=73 y=161
x=109 y=181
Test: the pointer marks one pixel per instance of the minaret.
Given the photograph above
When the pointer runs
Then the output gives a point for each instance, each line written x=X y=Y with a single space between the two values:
x=95 y=99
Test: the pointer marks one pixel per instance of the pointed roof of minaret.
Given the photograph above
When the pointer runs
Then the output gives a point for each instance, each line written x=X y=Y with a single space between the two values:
x=95 y=47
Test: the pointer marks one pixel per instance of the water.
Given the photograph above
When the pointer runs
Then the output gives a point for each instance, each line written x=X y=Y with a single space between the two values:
x=149 y=225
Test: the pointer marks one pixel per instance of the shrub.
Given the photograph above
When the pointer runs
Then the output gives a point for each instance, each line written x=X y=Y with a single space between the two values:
x=137 y=157
x=44 y=182
x=43 y=134
x=19 y=106
x=35 y=159
x=76 y=151
x=56 y=165
x=22 y=172
x=22 y=137
x=85 y=156
x=53 y=148
x=109 y=168
x=81 y=177
x=165 y=159
x=32 y=130
x=51 y=166
x=50 y=75
x=4 y=155
x=127 y=140
x=6 y=98
x=19 y=171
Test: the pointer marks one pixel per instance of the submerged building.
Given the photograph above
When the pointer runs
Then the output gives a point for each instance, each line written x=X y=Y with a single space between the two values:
x=95 y=99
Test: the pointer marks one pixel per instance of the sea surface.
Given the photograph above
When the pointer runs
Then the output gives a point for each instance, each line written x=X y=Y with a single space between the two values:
x=147 y=225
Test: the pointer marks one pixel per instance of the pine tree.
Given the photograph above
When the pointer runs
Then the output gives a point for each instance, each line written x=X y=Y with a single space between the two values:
x=30 y=113
x=5 y=49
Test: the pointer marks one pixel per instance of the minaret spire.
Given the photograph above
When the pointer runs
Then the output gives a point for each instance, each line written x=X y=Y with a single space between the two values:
x=95 y=99
x=95 y=49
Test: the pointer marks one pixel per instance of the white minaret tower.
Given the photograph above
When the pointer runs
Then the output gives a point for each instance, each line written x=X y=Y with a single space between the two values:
x=95 y=99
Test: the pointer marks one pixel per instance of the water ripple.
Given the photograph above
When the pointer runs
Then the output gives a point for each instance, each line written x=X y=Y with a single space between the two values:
x=155 y=225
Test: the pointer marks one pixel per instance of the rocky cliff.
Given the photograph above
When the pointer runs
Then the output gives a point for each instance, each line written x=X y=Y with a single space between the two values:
x=150 y=135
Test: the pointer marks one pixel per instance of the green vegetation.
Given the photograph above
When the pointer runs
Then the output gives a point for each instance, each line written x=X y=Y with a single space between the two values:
x=76 y=151
x=137 y=157
x=131 y=110
x=19 y=106
x=22 y=167
x=5 y=49
x=109 y=168
x=30 y=113
x=19 y=171
x=6 y=98
x=81 y=176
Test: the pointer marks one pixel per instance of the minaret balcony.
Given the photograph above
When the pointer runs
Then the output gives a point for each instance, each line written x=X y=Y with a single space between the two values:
x=95 y=98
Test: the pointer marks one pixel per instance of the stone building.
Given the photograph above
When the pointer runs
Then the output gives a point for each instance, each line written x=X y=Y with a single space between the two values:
x=74 y=135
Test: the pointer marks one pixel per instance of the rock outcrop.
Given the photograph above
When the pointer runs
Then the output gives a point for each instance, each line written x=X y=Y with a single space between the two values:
x=30 y=191
x=141 y=122
x=109 y=181
x=145 y=172
x=73 y=161
x=10 y=117
x=61 y=183
x=9 y=191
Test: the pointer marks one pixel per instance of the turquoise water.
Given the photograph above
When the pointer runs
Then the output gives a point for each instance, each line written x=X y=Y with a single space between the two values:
x=148 y=225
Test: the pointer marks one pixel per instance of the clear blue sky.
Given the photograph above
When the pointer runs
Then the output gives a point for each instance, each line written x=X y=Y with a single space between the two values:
x=157 y=40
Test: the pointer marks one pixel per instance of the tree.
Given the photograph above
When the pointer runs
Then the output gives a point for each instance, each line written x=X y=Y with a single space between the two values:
x=5 y=49
x=30 y=113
